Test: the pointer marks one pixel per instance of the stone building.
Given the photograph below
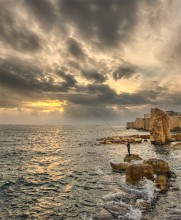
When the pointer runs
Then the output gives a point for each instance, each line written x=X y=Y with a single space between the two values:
x=147 y=124
x=175 y=123
x=139 y=123
x=129 y=125
x=144 y=123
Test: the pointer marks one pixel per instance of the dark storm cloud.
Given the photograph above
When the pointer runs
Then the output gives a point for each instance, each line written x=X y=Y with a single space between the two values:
x=22 y=76
x=91 y=112
x=44 y=12
x=14 y=33
x=92 y=94
x=75 y=49
x=110 y=22
x=124 y=72
x=101 y=95
x=69 y=80
x=94 y=75
x=170 y=54
x=18 y=74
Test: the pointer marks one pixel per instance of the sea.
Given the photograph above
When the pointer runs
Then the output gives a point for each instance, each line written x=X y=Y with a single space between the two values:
x=63 y=173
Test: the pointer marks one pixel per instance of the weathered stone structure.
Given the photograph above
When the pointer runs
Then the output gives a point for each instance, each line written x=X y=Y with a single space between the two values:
x=139 y=123
x=129 y=125
x=175 y=122
x=159 y=127
x=159 y=166
x=145 y=124
x=137 y=172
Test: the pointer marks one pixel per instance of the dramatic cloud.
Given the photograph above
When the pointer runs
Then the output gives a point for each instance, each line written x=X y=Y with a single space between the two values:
x=75 y=49
x=94 y=75
x=124 y=72
x=13 y=32
x=64 y=61
x=106 y=23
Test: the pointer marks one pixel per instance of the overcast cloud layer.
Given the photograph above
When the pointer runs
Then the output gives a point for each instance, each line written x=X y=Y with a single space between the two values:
x=81 y=61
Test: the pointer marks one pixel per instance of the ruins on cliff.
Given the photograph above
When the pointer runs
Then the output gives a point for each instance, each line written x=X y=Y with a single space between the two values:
x=145 y=122
x=159 y=127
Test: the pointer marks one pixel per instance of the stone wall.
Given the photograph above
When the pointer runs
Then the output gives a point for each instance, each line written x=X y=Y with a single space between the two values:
x=147 y=124
x=144 y=123
x=130 y=125
x=175 y=122
x=139 y=123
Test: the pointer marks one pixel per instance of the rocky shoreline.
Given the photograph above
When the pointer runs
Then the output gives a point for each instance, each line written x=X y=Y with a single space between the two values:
x=145 y=180
x=134 y=139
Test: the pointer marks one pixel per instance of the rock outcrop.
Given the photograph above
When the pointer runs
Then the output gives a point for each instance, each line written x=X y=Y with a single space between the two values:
x=159 y=127
x=159 y=166
x=119 y=166
x=136 y=172
x=162 y=183
x=176 y=146
x=128 y=158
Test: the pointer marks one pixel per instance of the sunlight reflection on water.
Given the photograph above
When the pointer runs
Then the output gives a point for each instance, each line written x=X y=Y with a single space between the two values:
x=49 y=172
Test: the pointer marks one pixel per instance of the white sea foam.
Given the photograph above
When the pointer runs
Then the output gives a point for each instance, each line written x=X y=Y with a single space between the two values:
x=136 y=162
x=144 y=191
x=134 y=214
x=148 y=189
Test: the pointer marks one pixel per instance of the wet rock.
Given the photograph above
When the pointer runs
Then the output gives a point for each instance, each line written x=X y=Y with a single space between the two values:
x=138 y=140
x=161 y=183
x=123 y=197
x=128 y=158
x=171 y=174
x=137 y=172
x=159 y=166
x=119 y=166
x=103 y=214
x=117 y=208
x=159 y=127
x=177 y=146
x=177 y=137
x=175 y=189
x=143 y=204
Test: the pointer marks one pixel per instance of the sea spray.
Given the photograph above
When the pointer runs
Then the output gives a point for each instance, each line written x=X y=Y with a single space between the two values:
x=127 y=203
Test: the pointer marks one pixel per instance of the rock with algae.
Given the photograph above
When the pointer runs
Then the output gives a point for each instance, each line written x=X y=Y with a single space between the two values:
x=137 y=172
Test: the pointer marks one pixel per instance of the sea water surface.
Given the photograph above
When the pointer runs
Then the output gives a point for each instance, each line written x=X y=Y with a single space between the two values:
x=62 y=172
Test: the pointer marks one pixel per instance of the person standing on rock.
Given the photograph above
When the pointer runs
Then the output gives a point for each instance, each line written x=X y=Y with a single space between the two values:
x=128 y=148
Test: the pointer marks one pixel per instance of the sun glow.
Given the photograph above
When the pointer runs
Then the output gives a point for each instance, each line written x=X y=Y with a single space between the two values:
x=48 y=105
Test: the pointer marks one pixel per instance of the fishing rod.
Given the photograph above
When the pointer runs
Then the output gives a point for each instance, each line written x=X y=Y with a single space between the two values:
x=109 y=126
x=90 y=84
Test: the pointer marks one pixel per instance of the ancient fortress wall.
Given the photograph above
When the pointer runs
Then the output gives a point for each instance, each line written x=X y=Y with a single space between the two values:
x=175 y=122
x=139 y=123
x=144 y=123
x=130 y=125
x=147 y=124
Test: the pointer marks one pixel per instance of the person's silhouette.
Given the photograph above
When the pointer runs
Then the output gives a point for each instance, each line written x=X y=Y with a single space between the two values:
x=128 y=148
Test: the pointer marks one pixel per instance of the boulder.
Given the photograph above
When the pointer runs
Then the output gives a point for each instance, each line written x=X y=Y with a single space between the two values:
x=103 y=214
x=177 y=146
x=177 y=137
x=119 y=166
x=161 y=183
x=159 y=127
x=137 y=172
x=128 y=158
x=159 y=166
x=138 y=140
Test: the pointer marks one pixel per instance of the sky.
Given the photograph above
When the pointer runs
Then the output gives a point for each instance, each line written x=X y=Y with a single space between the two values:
x=87 y=61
